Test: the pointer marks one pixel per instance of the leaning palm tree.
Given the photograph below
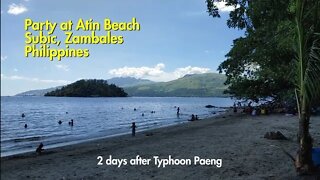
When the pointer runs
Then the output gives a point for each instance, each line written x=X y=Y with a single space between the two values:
x=307 y=75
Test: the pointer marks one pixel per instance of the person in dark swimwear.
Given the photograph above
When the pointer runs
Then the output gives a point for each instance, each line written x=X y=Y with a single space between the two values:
x=133 y=126
x=40 y=149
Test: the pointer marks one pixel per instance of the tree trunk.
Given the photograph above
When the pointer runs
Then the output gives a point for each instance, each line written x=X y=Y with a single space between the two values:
x=304 y=162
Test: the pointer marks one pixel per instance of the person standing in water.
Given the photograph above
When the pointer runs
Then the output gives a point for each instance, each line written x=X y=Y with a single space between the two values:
x=133 y=126
x=178 y=111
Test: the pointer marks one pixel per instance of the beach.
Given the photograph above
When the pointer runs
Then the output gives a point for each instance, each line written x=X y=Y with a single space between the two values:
x=237 y=139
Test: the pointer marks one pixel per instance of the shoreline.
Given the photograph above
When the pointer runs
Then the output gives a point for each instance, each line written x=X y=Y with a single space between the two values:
x=237 y=139
x=106 y=137
x=115 y=136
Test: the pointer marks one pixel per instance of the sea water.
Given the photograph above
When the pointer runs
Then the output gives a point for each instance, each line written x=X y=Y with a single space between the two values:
x=93 y=118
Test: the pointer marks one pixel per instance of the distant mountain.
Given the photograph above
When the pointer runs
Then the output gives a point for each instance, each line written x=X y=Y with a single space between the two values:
x=89 y=88
x=118 y=81
x=194 y=85
x=39 y=92
x=128 y=81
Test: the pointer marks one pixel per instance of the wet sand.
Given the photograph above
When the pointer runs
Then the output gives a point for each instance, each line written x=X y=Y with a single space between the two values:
x=235 y=138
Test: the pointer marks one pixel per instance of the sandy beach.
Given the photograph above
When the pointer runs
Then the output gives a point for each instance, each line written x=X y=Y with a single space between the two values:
x=235 y=138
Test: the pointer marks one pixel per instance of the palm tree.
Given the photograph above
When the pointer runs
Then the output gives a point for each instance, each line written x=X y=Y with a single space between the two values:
x=307 y=75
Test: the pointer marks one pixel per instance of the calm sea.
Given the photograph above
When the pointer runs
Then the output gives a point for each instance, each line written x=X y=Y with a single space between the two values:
x=93 y=118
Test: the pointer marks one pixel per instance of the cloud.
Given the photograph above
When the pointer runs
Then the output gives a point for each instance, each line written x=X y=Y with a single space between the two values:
x=157 y=72
x=16 y=9
x=223 y=7
x=62 y=67
x=138 y=72
x=37 y=80
x=3 y=58
x=180 y=72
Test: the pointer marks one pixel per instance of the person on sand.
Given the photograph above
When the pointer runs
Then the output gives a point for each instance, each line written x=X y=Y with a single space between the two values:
x=133 y=126
x=39 y=149
x=193 y=118
x=234 y=107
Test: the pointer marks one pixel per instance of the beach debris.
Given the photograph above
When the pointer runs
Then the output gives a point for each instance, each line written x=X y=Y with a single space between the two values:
x=275 y=136
x=133 y=126
x=39 y=149
x=149 y=134
x=209 y=106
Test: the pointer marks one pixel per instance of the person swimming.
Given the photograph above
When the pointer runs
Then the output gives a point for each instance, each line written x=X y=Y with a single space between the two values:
x=23 y=115
x=25 y=125
x=71 y=122
x=60 y=122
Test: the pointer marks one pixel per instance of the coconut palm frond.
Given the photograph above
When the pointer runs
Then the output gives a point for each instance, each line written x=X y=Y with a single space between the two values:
x=312 y=73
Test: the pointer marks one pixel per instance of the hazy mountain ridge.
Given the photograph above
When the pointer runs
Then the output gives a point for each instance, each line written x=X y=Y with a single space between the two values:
x=118 y=81
x=193 y=85
x=128 y=81
x=38 y=92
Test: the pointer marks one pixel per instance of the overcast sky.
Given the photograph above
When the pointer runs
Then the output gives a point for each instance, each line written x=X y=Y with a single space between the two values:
x=177 y=37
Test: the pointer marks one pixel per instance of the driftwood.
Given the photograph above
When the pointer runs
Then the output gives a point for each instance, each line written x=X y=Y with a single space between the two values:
x=275 y=136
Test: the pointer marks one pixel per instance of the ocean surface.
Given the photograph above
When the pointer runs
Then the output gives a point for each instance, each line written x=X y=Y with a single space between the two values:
x=93 y=118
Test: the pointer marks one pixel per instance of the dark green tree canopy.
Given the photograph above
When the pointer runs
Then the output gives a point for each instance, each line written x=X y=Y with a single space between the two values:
x=89 y=88
x=260 y=64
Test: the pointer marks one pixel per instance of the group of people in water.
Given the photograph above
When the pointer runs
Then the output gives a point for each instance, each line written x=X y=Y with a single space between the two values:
x=59 y=122
x=133 y=125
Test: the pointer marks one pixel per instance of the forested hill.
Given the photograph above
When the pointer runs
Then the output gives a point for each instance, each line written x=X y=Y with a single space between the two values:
x=194 y=85
x=89 y=88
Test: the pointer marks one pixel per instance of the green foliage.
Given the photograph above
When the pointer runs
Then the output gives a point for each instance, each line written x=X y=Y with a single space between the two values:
x=259 y=65
x=89 y=88
x=197 y=85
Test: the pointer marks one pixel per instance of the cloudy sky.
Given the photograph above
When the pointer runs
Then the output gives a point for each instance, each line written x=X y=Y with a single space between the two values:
x=177 y=37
